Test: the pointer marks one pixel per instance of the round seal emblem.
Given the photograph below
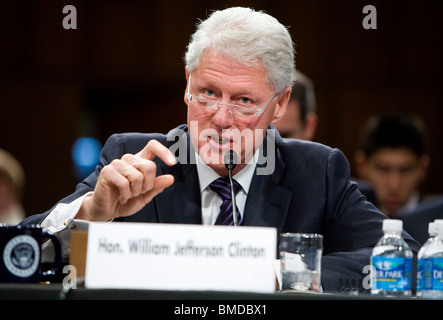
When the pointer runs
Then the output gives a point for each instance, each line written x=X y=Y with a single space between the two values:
x=21 y=256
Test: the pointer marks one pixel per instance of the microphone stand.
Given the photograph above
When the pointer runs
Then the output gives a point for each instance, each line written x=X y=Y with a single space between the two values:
x=234 y=204
x=230 y=159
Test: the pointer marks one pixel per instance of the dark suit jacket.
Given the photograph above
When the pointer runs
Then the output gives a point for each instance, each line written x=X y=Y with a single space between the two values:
x=367 y=190
x=416 y=221
x=309 y=191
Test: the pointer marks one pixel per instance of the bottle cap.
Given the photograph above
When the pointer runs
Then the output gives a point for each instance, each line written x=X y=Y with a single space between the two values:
x=432 y=228
x=393 y=225
x=439 y=227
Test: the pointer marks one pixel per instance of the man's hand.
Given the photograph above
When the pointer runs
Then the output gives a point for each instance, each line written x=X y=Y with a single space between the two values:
x=126 y=185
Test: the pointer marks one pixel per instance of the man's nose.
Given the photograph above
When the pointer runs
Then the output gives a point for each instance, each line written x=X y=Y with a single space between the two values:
x=394 y=181
x=223 y=117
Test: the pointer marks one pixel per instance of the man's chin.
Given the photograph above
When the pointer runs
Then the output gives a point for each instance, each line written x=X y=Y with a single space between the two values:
x=220 y=168
x=213 y=162
x=391 y=209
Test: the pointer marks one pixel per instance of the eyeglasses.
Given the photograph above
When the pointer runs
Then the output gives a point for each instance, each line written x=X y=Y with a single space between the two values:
x=249 y=109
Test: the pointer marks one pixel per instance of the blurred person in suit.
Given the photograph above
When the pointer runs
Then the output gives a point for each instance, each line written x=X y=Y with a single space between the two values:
x=233 y=94
x=12 y=183
x=416 y=221
x=300 y=119
x=393 y=160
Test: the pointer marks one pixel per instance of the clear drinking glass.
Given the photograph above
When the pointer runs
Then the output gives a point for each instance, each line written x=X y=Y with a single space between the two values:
x=300 y=258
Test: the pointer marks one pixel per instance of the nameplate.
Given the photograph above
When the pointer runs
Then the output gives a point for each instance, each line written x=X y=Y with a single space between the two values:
x=180 y=257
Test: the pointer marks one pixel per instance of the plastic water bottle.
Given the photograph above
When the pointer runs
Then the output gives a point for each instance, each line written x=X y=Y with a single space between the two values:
x=392 y=262
x=430 y=265
x=424 y=279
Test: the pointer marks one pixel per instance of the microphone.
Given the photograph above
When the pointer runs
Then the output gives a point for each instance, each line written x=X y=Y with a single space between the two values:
x=230 y=160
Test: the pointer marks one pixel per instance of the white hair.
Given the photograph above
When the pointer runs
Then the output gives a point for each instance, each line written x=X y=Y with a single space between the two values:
x=247 y=36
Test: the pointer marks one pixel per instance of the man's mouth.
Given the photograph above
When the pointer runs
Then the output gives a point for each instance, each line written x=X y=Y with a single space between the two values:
x=220 y=140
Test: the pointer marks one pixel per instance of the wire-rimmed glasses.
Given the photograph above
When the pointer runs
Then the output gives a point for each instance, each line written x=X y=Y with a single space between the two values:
x=213 y=104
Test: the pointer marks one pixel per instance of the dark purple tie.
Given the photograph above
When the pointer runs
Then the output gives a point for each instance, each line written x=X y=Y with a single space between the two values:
x=223 y=188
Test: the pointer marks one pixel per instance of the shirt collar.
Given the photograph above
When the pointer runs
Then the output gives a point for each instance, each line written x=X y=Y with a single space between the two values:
x=413 y=201
x=244 y=177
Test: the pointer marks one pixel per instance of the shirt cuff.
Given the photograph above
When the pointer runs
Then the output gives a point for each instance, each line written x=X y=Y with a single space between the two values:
x=59 y=222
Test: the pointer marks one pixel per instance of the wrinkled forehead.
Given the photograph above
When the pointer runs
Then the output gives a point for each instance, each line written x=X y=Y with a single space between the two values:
x=214 y=61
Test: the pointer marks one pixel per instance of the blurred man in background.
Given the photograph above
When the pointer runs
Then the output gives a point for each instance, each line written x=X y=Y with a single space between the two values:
x=300 y=120
x=12 y=182
x=392 y=158
x=416 y=221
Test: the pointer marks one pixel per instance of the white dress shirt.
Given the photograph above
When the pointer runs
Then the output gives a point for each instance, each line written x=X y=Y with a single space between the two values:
x=210 y=201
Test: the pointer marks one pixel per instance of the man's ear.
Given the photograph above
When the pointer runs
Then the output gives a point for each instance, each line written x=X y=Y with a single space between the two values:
x=282 y=103
x=187 y=83
x=310 y=127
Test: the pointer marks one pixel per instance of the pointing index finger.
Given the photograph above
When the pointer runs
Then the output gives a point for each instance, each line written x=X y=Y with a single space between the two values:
x=154 y=148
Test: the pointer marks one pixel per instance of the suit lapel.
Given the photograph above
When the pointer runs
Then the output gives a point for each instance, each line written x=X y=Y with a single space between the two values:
x=268 y=202
x=181 y=202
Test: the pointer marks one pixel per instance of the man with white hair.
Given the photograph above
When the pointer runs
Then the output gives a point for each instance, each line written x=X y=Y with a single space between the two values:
x=239 y=70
